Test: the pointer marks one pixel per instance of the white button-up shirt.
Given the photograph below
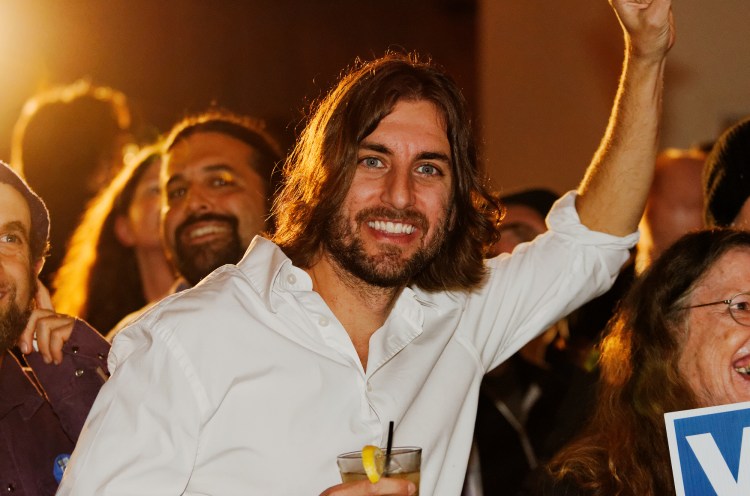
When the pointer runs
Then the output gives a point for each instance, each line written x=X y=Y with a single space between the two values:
x=248 y=384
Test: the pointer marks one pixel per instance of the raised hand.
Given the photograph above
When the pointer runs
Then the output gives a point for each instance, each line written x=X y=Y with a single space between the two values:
x=48 y=329
x=648 y=26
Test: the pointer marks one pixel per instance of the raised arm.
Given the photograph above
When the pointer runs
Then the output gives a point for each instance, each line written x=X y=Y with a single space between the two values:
x=613 y=192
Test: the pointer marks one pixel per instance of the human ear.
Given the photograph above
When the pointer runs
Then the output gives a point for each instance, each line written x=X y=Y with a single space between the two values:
x=37 y=266
x=123 y=231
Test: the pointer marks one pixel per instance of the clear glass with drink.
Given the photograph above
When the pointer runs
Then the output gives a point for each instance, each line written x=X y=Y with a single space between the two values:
x=404 y=463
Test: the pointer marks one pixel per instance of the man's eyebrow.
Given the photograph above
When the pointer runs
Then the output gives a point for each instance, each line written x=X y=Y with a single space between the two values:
x=376 y=147
x=434 y=156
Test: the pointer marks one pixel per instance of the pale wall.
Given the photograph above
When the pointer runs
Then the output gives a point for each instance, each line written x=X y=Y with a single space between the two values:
x=548 y=72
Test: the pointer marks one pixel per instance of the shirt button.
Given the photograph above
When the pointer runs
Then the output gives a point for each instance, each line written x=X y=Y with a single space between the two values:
x=323 y=321
x=11 y=487
x=74 y=349
x=369 y=387
x=101 y=356
x=291 y=279
x=79 y=372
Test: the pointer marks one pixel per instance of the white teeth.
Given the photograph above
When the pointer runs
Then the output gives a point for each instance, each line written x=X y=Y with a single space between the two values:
x=203 y=231
x=392 y=227
x=743 y=370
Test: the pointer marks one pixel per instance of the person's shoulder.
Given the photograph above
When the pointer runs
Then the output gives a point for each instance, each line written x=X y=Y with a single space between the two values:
x=214 y=294
x=128 y=319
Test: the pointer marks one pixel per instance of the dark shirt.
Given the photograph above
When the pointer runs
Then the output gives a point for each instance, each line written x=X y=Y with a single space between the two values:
x=524 y=415
x=42 y=411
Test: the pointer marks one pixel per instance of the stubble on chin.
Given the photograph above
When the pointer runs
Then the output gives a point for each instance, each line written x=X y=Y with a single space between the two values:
x=196 y=262
x=388 y=268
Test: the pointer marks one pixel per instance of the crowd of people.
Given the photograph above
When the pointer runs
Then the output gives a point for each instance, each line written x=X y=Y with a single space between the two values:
x=222 y=319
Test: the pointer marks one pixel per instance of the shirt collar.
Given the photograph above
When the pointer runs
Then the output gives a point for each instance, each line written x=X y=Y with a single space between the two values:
x=265 y=265
x=17 y=389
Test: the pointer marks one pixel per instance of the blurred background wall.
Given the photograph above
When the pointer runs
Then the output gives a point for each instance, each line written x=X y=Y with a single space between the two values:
x=548 y=73
x=539 y=76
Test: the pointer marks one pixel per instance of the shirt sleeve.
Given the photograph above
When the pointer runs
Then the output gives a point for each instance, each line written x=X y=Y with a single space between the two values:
x=541 y=282
x=141 y=436
x=72 y=386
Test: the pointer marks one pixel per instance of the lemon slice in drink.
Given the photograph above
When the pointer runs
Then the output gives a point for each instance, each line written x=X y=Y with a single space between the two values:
x=373 y=461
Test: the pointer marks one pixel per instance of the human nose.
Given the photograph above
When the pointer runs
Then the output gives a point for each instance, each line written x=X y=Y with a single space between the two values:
x=198 y=200
x=399 y=190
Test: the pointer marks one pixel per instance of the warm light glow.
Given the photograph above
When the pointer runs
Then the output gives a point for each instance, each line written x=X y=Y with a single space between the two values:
x=13 y=50
x=23 y=28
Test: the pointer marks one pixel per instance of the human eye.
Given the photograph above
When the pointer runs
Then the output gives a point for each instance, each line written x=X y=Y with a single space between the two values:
x=176 y=192
x=152 y=189
x=371 y=162
x=221 y=180
x=740 y=303
x=429 y=170
x=12 y=242
x=10 y=238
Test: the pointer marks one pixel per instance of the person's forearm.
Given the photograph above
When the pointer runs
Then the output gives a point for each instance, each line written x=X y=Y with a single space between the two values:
x=613 y=192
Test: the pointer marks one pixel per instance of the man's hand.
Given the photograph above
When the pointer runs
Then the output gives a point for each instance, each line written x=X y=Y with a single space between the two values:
x=384 y=487
x=50 y=330
x=648 y=26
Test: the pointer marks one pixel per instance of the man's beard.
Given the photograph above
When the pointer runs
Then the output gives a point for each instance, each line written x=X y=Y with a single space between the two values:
x=194 y=262
x=13 y=319
x=387 y=269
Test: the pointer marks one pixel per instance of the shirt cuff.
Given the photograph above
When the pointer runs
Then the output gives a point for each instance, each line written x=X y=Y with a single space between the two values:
x=563 y=219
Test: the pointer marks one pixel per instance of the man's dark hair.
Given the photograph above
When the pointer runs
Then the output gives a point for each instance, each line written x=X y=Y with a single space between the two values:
x=538 y=199
x=318 y=174
x=67 y=143
x=726 y=176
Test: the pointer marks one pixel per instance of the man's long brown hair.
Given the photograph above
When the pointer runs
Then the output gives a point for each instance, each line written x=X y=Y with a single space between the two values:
x=319 y=172
x=624 y=450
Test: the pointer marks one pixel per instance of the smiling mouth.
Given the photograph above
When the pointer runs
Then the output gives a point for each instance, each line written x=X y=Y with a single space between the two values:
x=742 y=365
x=391 y=227
x=202 y=232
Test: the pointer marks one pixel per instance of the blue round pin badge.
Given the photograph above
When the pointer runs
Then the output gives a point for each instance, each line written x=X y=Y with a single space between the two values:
x=58 y=468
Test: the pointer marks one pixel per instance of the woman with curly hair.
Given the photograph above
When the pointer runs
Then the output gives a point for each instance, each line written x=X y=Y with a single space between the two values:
x=680 y=340
x=115 y=263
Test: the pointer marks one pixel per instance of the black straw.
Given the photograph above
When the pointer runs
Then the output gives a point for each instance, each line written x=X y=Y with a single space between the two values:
x=388 y=447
